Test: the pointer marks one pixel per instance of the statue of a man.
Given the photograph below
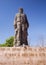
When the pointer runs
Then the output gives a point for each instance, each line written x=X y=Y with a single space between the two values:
x=21 y=25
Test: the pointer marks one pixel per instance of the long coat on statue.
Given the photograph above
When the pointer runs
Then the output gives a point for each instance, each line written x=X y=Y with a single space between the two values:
x=21 y=26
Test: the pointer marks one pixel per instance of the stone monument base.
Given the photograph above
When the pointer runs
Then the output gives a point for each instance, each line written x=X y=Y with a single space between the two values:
x=23 y=55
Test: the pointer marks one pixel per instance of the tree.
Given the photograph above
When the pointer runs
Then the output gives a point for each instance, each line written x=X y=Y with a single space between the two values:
x=3 y=45
x=9 y=41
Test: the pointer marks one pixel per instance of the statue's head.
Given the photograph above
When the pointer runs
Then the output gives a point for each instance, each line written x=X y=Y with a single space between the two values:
x=20 y=10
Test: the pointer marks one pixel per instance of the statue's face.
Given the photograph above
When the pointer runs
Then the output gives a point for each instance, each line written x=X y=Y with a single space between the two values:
x=21 y=10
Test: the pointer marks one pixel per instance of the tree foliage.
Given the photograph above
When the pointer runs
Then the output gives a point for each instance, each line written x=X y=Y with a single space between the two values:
x=8 y=42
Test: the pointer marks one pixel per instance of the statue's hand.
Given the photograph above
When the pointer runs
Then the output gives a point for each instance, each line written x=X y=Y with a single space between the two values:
x=15 y=26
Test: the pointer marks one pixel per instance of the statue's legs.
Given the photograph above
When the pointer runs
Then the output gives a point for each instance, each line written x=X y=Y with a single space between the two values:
x=19 y=35
x=15 y=39
x=18 y=38
x=24 y=38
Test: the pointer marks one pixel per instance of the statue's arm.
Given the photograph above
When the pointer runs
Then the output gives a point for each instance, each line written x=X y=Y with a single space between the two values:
x=15 y=22
x=26 y=21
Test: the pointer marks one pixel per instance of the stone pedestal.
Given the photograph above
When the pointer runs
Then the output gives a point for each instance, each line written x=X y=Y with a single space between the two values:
x=22 y=55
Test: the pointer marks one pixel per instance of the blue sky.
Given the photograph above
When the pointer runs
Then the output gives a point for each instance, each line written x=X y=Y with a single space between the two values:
x=36 y=14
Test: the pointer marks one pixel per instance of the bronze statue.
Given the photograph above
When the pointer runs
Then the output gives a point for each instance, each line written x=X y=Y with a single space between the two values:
x=21 y=26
